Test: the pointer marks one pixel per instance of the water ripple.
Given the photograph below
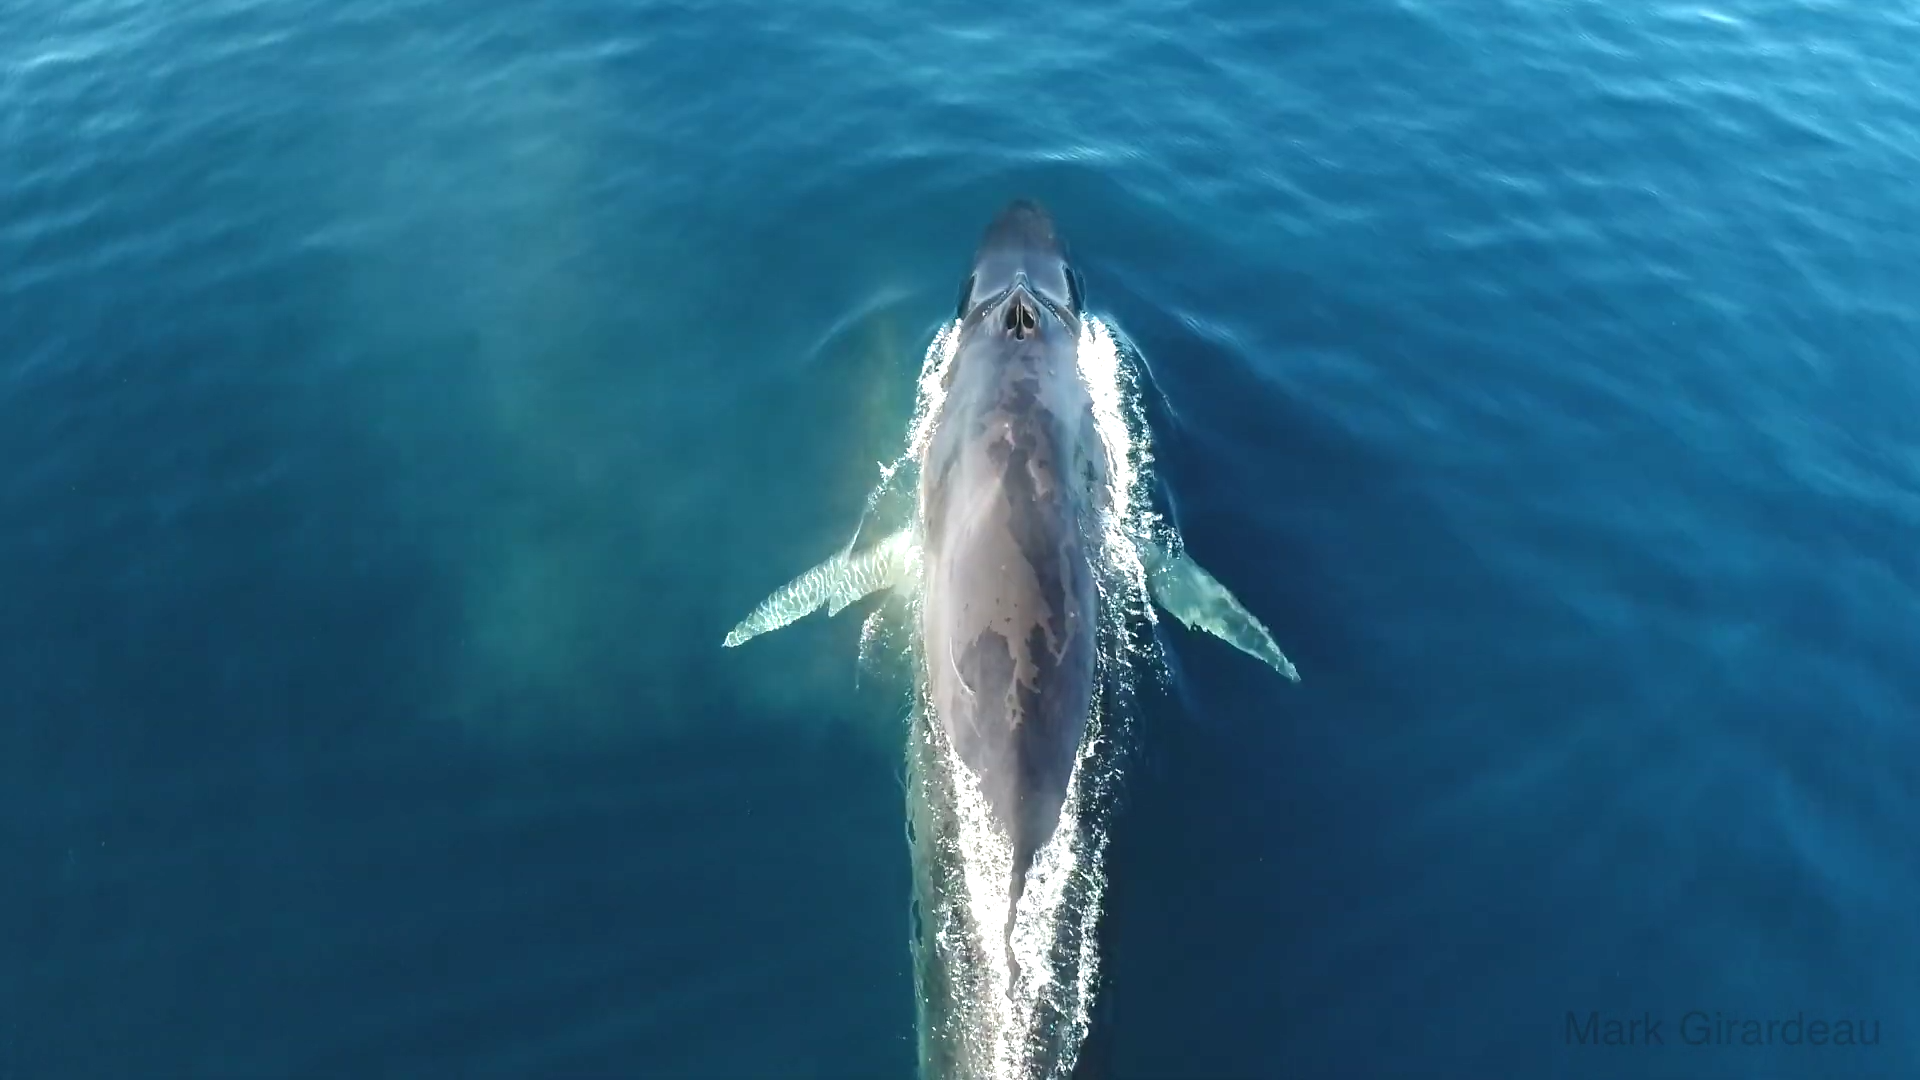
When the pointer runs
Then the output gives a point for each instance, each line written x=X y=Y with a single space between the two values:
x=392 y=393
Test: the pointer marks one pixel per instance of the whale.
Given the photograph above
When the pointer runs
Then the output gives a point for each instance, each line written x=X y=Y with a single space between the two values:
x=1000 y=558
x=1008 y=500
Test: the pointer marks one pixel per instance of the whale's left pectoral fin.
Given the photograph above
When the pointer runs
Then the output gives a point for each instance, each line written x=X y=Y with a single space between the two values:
x=844 y=579
x=1190 y=594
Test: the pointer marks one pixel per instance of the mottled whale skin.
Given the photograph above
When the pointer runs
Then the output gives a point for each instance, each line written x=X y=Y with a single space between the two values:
x=1009 y=532
x=1003 y=546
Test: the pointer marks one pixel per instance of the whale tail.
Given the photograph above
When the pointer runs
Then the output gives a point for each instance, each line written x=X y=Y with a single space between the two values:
x=1023 y=855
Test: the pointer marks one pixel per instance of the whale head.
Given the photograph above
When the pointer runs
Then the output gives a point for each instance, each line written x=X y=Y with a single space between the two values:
x=1022 y=277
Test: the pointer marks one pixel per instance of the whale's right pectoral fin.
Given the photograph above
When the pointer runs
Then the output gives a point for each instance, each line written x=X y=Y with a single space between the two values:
x=844 y=579
x=1185 y=589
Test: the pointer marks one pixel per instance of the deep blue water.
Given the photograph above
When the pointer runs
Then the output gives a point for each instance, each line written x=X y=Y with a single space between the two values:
x=398 y=402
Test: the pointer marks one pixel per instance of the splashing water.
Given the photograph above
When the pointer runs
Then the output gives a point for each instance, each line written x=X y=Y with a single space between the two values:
x=976 y=1018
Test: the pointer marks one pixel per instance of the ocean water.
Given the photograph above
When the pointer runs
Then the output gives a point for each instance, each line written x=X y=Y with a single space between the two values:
x=399 y=402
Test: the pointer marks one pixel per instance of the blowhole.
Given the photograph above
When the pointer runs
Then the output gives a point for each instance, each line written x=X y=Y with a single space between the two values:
x=1021 y=320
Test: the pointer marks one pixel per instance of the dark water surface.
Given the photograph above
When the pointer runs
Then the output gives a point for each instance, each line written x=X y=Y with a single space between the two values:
x=400 y=401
